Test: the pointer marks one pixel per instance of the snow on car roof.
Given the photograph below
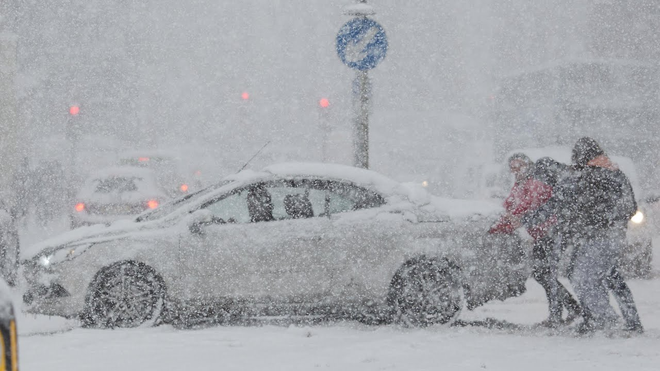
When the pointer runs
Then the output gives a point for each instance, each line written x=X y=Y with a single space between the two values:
x=155 y=153
x=387 y=187
x=363 y=177
x=415 y=193
x=127 y=171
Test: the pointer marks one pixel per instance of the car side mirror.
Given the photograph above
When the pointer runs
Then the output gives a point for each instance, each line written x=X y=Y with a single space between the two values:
x=199 y=219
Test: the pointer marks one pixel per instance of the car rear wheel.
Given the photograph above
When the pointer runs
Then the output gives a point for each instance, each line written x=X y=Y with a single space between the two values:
x=125 y=294
x=425 y=292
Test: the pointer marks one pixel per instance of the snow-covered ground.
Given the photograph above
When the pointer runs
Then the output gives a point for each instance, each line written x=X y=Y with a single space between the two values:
x=58 y=344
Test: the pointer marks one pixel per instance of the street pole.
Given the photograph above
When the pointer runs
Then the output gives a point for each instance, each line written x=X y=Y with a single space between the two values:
x=361 y=120
x=361 y=45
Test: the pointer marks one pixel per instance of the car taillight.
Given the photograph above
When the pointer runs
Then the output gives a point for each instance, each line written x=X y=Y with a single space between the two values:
x=184 y=188
x=152 y=204
x=80 y=206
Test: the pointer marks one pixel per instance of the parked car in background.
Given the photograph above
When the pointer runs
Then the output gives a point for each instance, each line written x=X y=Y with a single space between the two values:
x=293 y=239
x=174 y=178
x=116 y=193
x=636 y=260
x=8 y=333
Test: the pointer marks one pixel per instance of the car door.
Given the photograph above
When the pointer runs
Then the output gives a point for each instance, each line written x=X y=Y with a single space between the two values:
x=365 y=236
x=262 y=253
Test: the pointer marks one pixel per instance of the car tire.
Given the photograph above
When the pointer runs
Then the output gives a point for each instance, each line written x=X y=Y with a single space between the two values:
x=125 y=294
x=426 y=291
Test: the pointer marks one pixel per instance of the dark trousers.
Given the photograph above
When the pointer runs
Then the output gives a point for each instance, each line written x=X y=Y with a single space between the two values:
x=545 y=265
x=617 y=285
x=624 y=298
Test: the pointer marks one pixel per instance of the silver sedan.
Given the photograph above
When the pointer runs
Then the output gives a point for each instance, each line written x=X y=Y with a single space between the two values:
x=291 y=240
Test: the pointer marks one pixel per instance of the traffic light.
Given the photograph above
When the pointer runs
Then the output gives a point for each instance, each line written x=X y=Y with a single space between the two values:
x=74 y=110
x=245 y=95
x=324 y=103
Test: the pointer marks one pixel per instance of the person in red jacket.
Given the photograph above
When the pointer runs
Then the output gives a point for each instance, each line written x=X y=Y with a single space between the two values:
x=528 y=194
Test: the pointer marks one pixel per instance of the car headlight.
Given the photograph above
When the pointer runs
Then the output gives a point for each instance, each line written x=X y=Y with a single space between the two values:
x=48 y=260
x=44 y=260
x=638 y=217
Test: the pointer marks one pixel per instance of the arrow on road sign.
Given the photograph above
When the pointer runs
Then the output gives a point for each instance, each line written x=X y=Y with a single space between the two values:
x=356 y=49
x=361 y=43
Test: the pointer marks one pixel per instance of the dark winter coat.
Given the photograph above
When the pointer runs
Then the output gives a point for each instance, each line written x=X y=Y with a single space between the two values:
x=599 y=196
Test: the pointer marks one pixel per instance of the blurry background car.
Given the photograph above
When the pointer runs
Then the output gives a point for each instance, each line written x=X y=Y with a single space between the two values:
x=171 y=175
x=116 y=193
x=8 y=334
x=496 y=182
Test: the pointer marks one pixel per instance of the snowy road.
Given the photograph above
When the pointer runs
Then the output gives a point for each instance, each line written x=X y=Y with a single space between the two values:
x=348 y=346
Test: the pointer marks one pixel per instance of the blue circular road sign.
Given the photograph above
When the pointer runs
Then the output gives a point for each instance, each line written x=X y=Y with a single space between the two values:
x=361 y=43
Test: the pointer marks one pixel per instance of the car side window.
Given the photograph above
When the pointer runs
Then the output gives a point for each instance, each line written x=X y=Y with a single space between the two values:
x=341 y=197
x=231 y=209
x=292 y=201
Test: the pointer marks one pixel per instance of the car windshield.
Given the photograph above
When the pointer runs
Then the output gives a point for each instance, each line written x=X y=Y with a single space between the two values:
x=179 y=202
x=116 y=185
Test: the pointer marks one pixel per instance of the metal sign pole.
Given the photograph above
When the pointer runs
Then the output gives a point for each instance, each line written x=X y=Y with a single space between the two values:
x=361 y=45
x=361 y=121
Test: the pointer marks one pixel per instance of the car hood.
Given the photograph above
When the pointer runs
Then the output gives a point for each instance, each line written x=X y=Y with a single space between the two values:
x=459 y=209
x=91 y=234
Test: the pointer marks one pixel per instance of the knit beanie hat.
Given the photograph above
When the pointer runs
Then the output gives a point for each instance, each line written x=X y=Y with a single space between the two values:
x=585 y=150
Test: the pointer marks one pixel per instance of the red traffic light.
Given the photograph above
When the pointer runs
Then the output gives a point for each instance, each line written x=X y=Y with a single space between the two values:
x=74 y=110
x=324 y=103
x=245 y=95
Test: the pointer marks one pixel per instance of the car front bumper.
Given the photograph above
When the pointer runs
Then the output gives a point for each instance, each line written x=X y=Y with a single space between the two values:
x=48 y=294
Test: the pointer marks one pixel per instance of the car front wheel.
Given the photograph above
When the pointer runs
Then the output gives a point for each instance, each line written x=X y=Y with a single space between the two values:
x=425 y=292
x=125 y=294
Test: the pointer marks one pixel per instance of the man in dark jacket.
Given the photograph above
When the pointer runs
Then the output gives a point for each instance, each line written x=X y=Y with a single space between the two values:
x=597 y=205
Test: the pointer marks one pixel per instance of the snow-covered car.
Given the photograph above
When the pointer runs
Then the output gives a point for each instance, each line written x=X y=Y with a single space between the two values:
x=8 y=333
x=636 y=260
x=116 y=193
x=293 y=239
x=168 y=169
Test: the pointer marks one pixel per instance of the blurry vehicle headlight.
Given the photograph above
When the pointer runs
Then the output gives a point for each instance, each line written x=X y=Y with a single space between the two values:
x=44 y=261
x=638 y=217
